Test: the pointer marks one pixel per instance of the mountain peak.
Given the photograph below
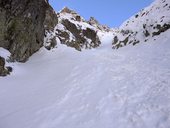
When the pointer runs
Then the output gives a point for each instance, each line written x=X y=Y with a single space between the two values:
x=67 y=10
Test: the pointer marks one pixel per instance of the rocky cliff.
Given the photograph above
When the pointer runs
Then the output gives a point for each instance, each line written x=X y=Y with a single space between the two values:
x=22 y=27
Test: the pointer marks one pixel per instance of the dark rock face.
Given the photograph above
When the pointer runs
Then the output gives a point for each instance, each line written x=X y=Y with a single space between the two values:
x=22 y=27
x=50 y=22
x=2 y=62
x=51 y=19
x=3 y=70
x=161 y=29
x=80 y=36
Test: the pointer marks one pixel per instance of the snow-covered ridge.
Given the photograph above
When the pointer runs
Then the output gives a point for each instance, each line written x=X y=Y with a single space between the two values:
x=145 y=25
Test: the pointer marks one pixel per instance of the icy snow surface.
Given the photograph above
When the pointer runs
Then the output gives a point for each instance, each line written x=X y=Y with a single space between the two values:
x=99 y=88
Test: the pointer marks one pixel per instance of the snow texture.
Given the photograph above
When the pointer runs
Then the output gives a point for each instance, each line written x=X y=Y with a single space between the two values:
x=145 y=25
x=97 y=88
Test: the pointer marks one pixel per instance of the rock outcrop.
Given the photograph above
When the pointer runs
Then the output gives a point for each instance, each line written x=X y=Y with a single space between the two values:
x=2 y=66
x=4 y=71
x=73 y=31
x=22 y=27
x=92 y=21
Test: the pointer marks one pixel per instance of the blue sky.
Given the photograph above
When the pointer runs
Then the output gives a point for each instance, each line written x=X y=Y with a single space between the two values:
x=109 y=12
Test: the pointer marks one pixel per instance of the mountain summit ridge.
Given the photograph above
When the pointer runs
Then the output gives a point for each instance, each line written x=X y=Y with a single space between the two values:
x=143 y=26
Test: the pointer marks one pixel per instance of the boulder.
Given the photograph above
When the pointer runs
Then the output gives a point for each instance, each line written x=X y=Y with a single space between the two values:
x=3 y=70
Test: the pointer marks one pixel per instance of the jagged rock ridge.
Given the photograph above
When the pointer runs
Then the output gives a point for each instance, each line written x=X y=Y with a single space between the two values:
x=73 y=31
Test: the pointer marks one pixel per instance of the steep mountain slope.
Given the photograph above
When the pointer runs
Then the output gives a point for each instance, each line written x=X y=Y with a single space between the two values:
x=145 y=25
x=100 y=88
x=60 y=87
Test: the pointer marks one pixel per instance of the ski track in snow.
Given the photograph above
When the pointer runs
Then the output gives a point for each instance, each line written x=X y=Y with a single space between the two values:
x=101 y=88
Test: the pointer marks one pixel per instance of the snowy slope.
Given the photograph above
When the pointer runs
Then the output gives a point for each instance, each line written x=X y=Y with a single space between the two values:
x=156 y=13
x=100 y=88
x=145 y=25
x=97 y=88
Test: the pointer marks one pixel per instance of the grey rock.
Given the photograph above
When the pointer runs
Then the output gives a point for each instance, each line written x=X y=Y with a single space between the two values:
x=22 y=27
x=3 y=70
x=50 y=22
x=80 y=36
x=92 y=21
x=51 y=19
